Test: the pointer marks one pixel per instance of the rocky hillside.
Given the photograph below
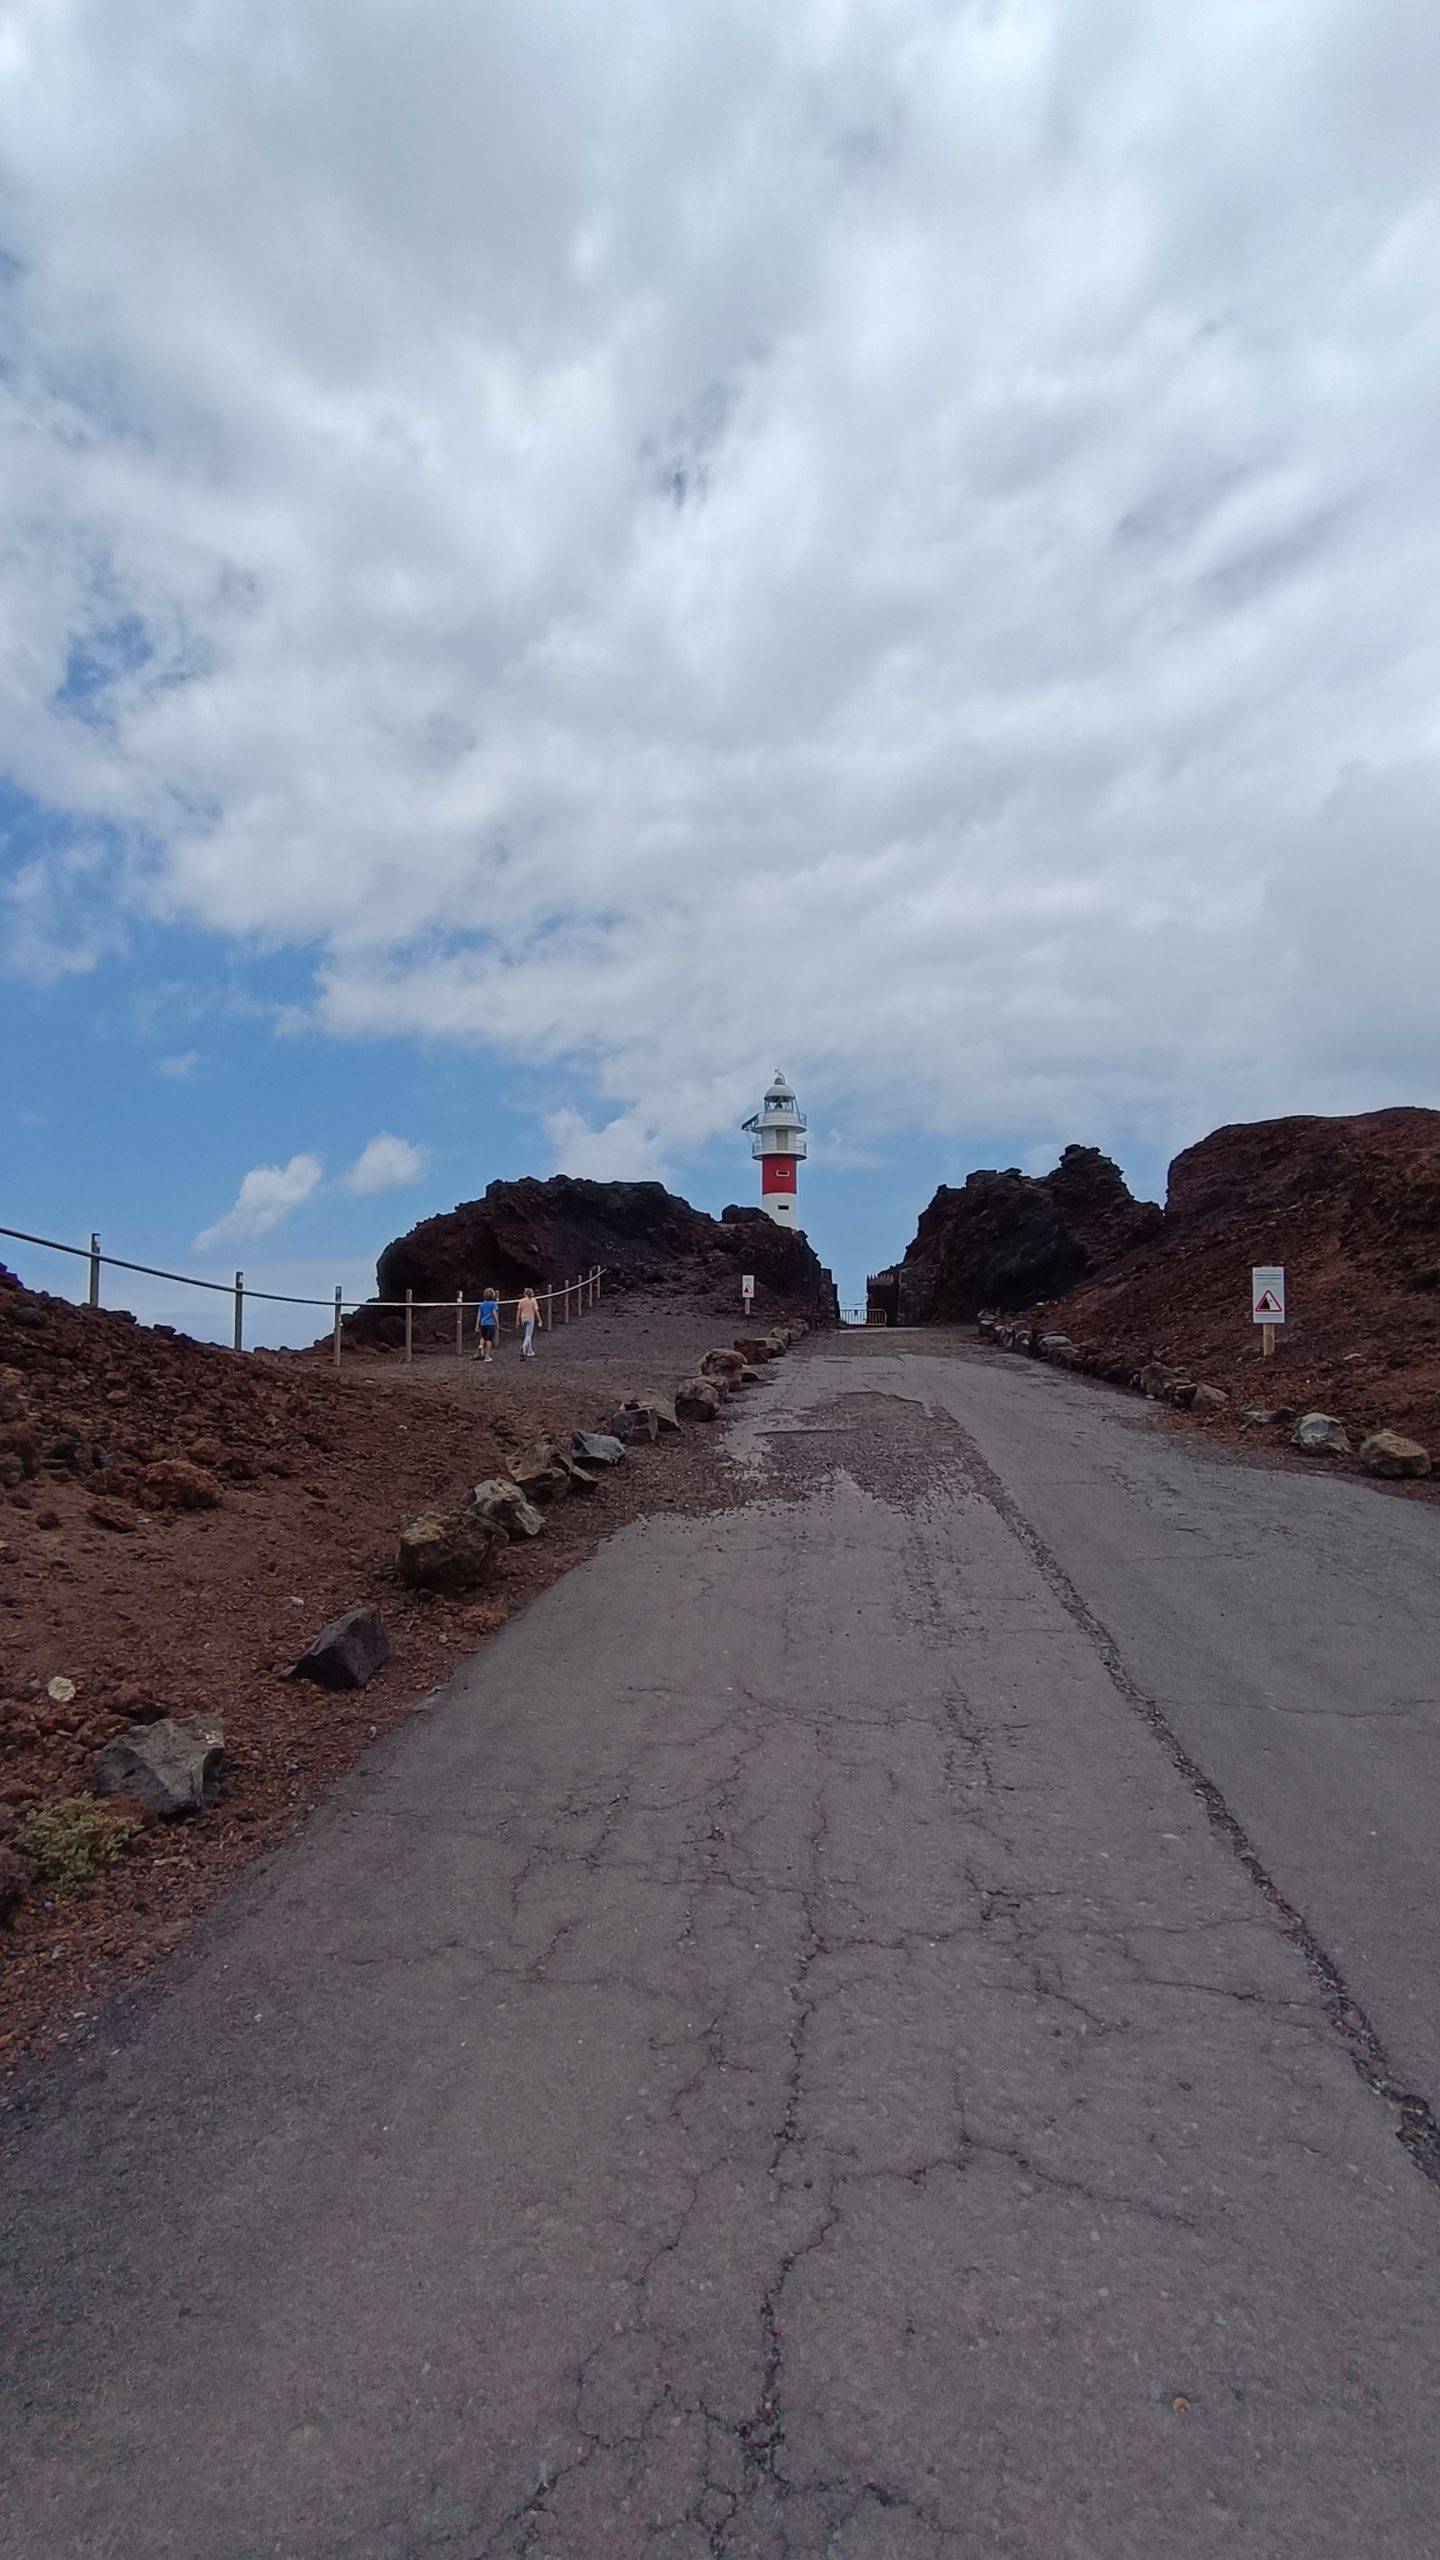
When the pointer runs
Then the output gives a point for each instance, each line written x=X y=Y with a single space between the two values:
x=1351 y=1207
x=1006 y=1239
x=546 y=1233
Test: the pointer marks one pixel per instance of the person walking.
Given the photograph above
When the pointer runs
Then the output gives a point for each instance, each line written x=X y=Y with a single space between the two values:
x=527 y=1316
x=487 y=1325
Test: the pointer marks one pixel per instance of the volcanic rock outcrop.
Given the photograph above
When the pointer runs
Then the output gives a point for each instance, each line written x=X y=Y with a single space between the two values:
x=1351 y=1207
x=1007 y=1239
x=546 y=1233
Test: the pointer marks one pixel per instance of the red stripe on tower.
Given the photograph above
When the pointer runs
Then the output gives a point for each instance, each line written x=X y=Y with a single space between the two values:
x=778 y=1134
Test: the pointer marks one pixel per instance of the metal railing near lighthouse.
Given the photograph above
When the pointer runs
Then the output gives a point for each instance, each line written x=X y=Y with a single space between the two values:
x=571 y=1298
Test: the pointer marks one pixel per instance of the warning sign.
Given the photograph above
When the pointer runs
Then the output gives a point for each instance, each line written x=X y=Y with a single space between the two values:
x=1267 y=1294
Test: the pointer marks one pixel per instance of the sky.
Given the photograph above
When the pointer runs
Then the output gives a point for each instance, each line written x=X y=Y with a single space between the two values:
x=559 y=557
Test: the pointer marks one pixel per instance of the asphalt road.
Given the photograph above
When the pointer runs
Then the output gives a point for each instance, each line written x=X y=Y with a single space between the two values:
x=783 y=2062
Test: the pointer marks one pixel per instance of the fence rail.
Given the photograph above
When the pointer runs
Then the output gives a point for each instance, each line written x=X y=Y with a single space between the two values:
x=581 y=1292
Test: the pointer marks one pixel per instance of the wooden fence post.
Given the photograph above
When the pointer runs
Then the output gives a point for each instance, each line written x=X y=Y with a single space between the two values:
x=459 y=1324
x=239 y=1310
x=337 y=1324
x=409 y=1326
x=94 y=1271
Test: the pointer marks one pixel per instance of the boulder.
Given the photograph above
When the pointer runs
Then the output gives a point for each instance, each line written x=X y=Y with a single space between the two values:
x=1262 y=1413
x=752 y=1349
x=636 y=1420
x=1208 y=1399
x=1049 y=1343
x=452 y=1551
x=1386 y=1453
x=347 y=1653
x=663 y=1408
x=597 y=1448
x=173 y=1484
x=503 y=1505
x=172 y=1768
x=728 y=1366
x=698 y=1400
x=1322 y=1435
x=1181 y=1392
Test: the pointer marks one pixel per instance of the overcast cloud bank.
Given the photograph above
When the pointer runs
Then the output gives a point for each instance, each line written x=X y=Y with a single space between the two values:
x=900 y=536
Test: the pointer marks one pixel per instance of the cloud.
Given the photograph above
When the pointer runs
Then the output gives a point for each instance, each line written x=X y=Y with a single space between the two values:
x=268 y=1193
x=385 y=1165
x=868 y=532
x=179 y=1067
x=623 y=1150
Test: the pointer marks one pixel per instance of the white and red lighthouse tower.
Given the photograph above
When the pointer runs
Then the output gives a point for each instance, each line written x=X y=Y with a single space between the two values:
x=777 y=1134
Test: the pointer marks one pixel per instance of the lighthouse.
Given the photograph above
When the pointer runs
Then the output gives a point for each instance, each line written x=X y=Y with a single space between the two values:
x=777 y=1137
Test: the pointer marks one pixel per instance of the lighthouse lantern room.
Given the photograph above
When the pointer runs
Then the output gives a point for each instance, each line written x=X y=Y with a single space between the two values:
x=777 y=1134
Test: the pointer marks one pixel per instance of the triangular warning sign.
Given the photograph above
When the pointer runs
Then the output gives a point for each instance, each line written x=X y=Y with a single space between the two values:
x=1267 y=1304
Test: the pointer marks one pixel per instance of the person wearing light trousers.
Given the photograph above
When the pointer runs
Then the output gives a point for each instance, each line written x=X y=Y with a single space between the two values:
x=527 y=1317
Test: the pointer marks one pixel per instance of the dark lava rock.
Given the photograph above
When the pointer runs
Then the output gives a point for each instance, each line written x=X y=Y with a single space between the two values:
x=543 y=1234
x=347 y=1653
x=597 y=1448
x=1008 y=1239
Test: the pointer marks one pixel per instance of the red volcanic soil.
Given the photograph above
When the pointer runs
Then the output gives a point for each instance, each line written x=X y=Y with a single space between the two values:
x=142 y=1605
x=1351 y=1207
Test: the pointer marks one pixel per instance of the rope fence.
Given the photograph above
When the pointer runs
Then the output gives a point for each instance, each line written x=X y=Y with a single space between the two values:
x=558 y=1305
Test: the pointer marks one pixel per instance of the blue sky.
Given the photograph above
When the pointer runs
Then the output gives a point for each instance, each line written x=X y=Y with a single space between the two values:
x=139 y=1094
x=554 y=561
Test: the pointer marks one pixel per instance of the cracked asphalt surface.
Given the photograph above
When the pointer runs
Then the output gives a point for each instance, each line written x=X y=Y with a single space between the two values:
x=785 y=2062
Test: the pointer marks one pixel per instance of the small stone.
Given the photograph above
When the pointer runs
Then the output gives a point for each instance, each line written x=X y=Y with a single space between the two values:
x=173 y=1767
x=62 y=1688
x=1322 y=1435
x=1209 y=1400
x=540 y=1472
x=112 y=1515
x=346 y=1654
x=501 y=1502
x=698 y=1400
x=636 y=1421
x=1386 y=1453
x=597 y=1448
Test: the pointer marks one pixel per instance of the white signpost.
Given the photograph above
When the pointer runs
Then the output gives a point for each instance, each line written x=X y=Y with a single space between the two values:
x=747 y=1289
x=1267 y=1302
